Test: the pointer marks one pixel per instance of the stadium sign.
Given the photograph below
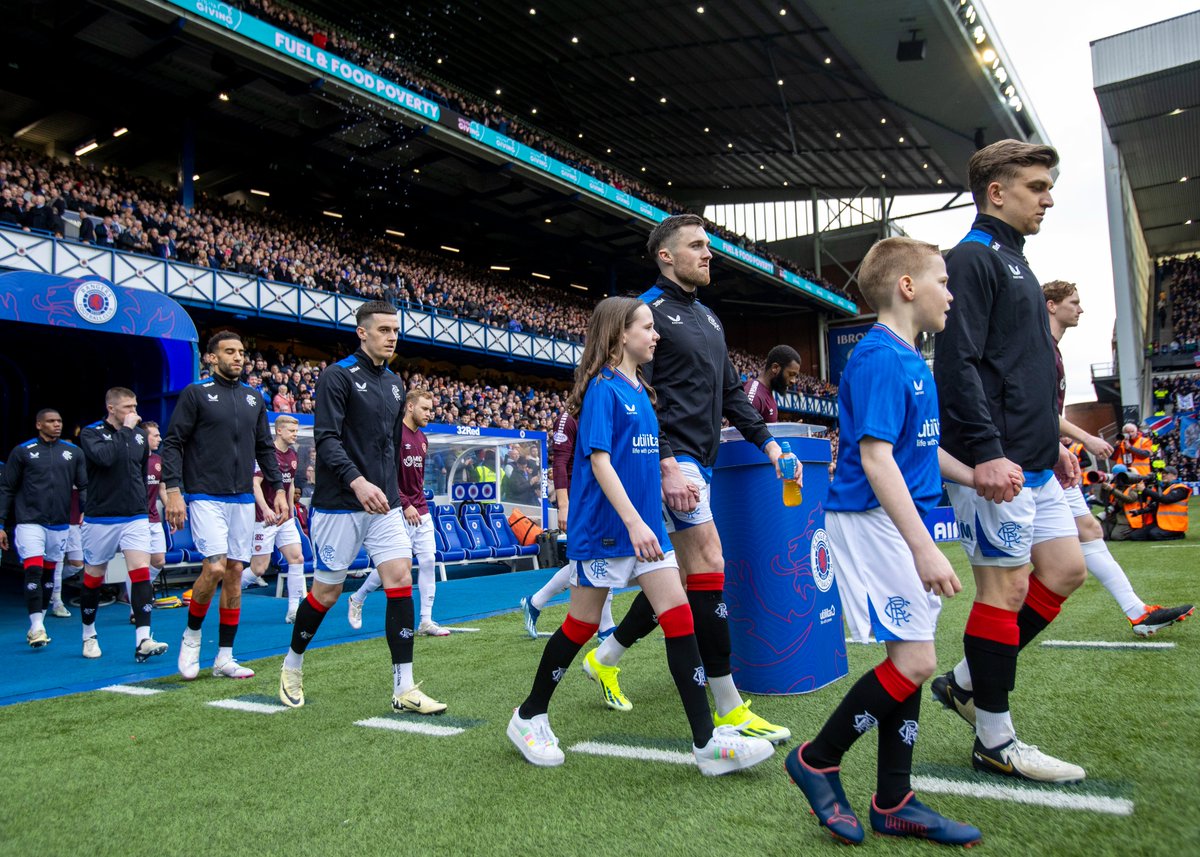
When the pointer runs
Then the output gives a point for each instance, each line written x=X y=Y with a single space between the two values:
x=285 y=43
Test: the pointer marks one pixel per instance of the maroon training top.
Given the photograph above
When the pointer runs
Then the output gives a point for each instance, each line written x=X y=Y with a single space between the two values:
x=412 y=469
x=289 y=463
x=562 y=450
x=761 y=399
x=153 y=481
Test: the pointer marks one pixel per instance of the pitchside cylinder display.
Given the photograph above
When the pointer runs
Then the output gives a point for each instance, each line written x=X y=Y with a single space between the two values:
x=785 y=615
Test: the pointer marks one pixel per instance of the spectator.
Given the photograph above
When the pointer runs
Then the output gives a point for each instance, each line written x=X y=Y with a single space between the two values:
x=283 y=402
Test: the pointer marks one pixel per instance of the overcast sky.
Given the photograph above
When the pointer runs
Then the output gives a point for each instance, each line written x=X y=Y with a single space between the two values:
x=1047 y=42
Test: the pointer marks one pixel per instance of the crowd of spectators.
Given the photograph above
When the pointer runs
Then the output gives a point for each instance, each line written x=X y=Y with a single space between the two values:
x=125 y=212
x=288 y=385
x=1171 y=396
x=749 y=365
x=379 y=59
x=1180 y=302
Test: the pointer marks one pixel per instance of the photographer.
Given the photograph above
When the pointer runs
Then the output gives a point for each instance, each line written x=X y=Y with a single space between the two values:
x=1166 y=514
x=1124 y=508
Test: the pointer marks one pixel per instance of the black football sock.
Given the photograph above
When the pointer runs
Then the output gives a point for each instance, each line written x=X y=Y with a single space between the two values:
x=897 y=740
x=398 y=626
x=561 y=649
x=33 y=587
x=868 y=703
x=637 y=623
x=687 y=669
x=309 y=616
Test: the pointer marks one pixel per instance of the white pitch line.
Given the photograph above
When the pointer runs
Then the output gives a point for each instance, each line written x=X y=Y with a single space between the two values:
x=243 y=705
x=417 y=726
x=131 y=689
x=1016 y=794
x=454 y=630
x=1102 y=644
x=624 y=751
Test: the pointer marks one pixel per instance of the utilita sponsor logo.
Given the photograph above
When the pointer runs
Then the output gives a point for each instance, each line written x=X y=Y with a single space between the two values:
x=828 y=614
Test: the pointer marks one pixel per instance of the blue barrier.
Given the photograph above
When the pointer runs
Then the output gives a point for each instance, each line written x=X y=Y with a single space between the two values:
x=237 y=293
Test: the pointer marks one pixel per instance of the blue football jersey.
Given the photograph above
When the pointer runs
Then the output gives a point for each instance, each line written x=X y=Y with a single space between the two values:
x=887 y=392
x=617 y=418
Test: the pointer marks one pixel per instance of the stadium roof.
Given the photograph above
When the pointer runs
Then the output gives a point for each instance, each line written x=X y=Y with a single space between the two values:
x=261 y=119
x=1148 y=84
x=715 y=96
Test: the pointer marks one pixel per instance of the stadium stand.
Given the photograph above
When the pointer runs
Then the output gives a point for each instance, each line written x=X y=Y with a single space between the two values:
x=1179 y=301
x=491 y=403
x=129 y=213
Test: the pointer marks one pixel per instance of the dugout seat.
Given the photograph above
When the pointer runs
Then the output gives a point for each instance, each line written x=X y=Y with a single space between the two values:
x=456 y=538
x=479 y=532
x=181 y=548
x=503 y=533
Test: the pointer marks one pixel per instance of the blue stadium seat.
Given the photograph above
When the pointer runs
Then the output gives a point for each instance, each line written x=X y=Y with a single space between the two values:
x=503 y=533
x=480 y=534
x=456 y=537
x=180 y=546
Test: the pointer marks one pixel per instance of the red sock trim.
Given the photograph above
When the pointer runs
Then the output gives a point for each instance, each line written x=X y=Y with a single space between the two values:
x=93 y=582
x=315 y=604
x=139 y=575
x=709 y=582
x=677 y=622
x=578 y=632
x=49 y=566
x=398 y=591
x=894 y=682
x=1045 y=602
x=229 y=615
x=33 y=561
x=993 y=623
x=195 y=608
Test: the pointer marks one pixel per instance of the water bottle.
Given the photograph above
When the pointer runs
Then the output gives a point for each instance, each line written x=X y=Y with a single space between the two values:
x=787 y=466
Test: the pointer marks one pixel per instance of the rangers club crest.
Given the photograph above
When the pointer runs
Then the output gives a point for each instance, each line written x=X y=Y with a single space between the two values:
x=908 y=732
x=250 y=400
x=864 y=722
x=897 y=610
x=396 y=392
x=821 y=560
x=1009 y=533
x=95 y=302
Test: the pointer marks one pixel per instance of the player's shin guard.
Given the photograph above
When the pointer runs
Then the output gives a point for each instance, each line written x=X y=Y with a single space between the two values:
x=683 y=660
x=868 y=703
x=990 y=644
x=227 y=630
x=897 y=740
x=89 y=600
x=309 y=616
x=196 y=614
x=561 y=649
x=398 y=623
x=638 y=622
x=33 y=585
x=1042 y=605
x=706 y=597
x=47 y=584
x=140 y=596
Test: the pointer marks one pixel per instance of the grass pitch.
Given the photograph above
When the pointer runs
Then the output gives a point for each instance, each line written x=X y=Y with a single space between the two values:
x=101 y=773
